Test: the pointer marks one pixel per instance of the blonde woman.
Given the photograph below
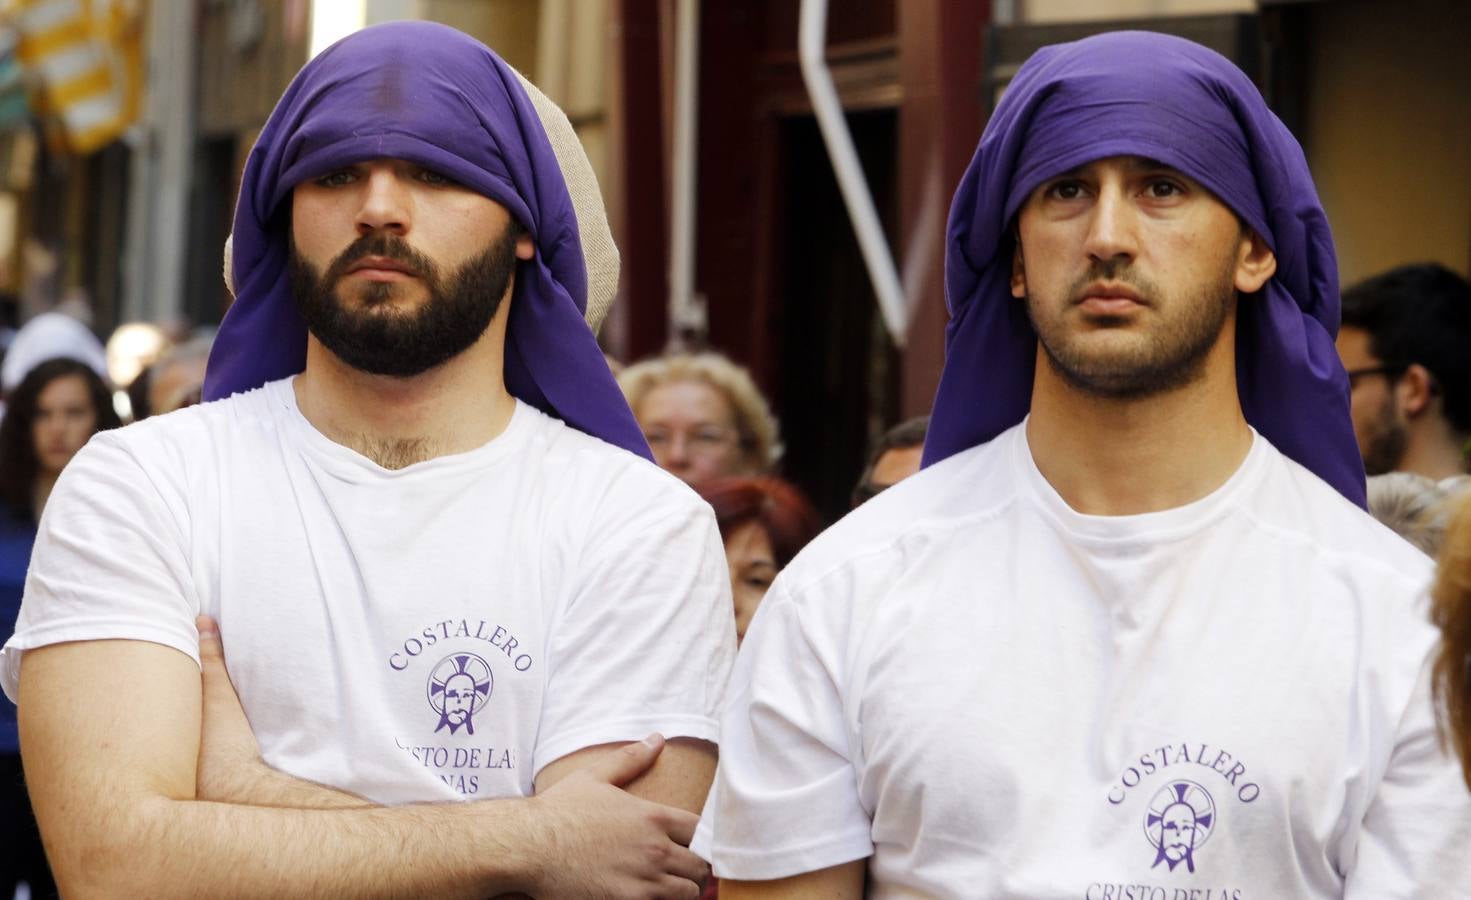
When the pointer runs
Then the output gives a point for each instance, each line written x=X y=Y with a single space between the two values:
x=702 y=416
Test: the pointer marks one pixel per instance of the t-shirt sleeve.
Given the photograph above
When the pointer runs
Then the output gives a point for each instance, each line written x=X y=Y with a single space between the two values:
x=1416 y=833
x=108 y=562
x=647 y=638
x=785 y=799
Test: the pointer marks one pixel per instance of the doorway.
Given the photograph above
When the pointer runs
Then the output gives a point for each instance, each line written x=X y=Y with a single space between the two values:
x=837 y=373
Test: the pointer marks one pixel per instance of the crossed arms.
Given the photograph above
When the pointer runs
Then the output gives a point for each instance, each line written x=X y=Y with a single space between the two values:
x=144 y=786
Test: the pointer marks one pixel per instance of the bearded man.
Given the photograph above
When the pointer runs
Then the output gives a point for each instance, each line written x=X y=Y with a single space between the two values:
x=1404 y=342
x=421 y=501
x=1135 y=572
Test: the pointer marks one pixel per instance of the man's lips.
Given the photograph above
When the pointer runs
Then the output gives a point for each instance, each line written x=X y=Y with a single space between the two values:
x=1110 y=299
x=381 y=268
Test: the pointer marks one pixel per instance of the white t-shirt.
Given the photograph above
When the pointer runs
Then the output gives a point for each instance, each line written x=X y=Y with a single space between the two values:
x=436 y=632
x=995 y=696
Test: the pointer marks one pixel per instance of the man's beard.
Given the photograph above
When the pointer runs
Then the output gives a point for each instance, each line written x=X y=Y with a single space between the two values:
x=381 y=340
x=1174 y=357
x=1387 y=441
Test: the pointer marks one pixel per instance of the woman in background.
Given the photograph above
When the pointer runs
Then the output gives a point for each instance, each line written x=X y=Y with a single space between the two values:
x=763 y=522
x=702 y=416
x=54 y=410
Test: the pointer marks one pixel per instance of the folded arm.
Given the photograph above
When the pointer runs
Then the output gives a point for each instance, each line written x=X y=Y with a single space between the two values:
x=111 y=738
x=231 y=768
x=680 y=778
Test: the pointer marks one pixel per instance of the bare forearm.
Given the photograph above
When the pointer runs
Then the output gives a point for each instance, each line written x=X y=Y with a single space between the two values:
x=681 y=778
x=185 y=848
x=260 y=785
x=115 y=783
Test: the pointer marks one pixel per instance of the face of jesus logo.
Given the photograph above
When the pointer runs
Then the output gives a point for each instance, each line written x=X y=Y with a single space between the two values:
x=459 y=686
x=459 y=699
x=1179 y=820
x=1177 y=837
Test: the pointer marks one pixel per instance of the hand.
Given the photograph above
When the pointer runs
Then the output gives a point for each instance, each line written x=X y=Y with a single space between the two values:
x=599 y=841
x=227 y=747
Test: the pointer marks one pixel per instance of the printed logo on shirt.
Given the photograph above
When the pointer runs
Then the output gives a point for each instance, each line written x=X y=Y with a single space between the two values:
x=1178 y=821
x=464 y=742
x=459 y=687
x=1231 y=770
x=496 y=636
x=1179 y=786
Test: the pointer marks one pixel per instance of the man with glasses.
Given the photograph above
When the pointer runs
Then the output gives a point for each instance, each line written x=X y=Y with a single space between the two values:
x=1406 y=343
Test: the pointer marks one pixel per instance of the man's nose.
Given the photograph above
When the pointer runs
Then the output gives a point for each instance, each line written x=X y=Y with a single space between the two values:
x=1112 y=226
x=387 y=204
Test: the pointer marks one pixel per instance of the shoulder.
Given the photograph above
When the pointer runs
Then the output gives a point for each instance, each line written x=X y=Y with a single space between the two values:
x=168 y=455
x=603 y=478
x=1298 y=506
x=1341 y=561
x=189 y=430
x=954 y=499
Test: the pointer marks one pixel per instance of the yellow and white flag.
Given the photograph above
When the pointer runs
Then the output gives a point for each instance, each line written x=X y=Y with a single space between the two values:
x=87 y=56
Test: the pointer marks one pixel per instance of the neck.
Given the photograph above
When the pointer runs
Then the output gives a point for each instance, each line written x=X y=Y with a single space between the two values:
x=396 y=422
x=1433 y=449
x=41 y=492
x=1114 y=457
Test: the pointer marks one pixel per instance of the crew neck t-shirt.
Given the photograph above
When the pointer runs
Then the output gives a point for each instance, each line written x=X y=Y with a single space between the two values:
x=435 y=632
x=989 y=694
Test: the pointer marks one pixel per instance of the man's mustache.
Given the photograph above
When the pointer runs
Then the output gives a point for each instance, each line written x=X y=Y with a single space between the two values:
x=1114 y=272
x=384 y=245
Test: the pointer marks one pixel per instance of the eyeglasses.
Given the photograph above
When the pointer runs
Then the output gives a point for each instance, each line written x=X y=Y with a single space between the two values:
x=1389 y=371
x=699 y=441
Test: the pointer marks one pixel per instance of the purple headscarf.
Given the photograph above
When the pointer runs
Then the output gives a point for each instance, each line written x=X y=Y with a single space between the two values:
x=431 y=95
x=1168 y=99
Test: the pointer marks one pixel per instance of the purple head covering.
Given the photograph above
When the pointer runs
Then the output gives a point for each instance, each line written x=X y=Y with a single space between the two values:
x=1168 y=99
x=431 y=95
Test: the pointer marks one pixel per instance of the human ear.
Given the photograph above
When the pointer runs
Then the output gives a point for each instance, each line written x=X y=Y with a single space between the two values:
x=1414 y=389
x=1255 y=263
x=1018 y=271
x=525 y=249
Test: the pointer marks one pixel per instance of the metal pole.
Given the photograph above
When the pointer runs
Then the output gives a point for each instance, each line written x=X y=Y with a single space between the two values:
x=811 y=47
x=685 y=312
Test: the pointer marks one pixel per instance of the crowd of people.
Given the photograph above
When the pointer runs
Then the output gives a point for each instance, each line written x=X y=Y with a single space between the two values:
x=1128 y=580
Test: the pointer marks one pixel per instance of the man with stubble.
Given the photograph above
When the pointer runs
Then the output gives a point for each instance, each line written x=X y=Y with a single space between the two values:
x=1132 y=611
